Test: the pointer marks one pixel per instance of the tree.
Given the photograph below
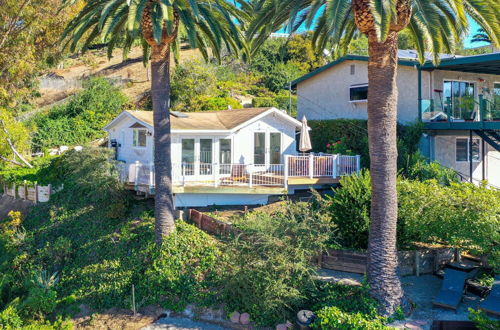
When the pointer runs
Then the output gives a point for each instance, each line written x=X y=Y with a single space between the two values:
x=481 y=36
x=436 y=26
x=29 y=35
x=210 y=25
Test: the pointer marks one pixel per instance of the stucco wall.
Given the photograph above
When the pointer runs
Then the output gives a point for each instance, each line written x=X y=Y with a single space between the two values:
x=326 y=95
x=445 y=153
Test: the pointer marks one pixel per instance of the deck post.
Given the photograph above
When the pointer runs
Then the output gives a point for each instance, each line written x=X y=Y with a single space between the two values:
x=334 y=166
x=471 y=173
x=250 y=170
x=151 y=177
x=358 y=163
x=285 y=171
x=215 y=169
x=136 y=174
x=311 y=165
x=183 y=175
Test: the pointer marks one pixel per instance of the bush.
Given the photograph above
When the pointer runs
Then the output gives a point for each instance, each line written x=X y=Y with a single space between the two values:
x=40 y=302
x=269 y=270
x=281 y=75
x=346 y=307
x=10 y=319
x=418 y=168
x=349 y=209
x=354 y=133
x=482 y=321
x=82 y=118
x=182 y=270
x=279 y=102
x=461 y=214
x=333 y=318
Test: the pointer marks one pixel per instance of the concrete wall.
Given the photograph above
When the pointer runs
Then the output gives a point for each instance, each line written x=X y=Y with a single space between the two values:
x=444 y=152
x=326 y=95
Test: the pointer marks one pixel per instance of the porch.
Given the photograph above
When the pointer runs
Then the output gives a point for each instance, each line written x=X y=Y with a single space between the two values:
x=198 y=177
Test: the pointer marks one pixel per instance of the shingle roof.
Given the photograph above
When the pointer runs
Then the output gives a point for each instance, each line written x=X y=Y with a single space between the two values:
x=207 y=120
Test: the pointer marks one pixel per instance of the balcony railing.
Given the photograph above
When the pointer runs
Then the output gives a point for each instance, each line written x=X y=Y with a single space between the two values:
x=463 y=109
x=272 y=175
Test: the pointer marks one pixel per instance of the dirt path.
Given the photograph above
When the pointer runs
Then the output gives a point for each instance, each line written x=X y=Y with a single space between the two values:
x=8 y=203
x=180 y=323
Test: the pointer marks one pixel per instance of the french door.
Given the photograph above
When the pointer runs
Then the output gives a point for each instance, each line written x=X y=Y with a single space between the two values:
x=197 y=156
x=267 y=148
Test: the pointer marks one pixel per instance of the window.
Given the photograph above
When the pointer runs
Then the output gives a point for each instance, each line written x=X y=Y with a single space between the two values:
x=358 y=93
x=140 y=138
x=259 y=148
x=353 y=69
x=225 y=151
x=275 y=148
x=462 y=150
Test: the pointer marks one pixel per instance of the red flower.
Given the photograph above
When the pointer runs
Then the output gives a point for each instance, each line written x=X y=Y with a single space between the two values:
x=328 y=145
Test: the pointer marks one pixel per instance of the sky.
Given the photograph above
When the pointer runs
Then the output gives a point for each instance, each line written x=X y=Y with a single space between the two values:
x=473 y=27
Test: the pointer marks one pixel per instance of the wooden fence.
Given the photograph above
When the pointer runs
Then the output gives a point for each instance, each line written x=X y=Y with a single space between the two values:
x=209 y=224
x=34 y=192
x=425 y=261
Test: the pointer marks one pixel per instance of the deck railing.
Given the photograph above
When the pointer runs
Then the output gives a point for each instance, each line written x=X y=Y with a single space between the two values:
x=465 y=109
x=273 y=175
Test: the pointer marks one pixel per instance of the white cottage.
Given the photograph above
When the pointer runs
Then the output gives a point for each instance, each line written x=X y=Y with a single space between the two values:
x=224 y=157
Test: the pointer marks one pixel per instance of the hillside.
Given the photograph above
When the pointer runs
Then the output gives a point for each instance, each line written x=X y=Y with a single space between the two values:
x=130 y=74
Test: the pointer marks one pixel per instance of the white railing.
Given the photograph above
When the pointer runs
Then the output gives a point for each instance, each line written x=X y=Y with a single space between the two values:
x=310 y=166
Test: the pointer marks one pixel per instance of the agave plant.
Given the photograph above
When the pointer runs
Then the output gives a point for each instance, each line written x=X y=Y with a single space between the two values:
x=45 y=280
x=436 y=26
x=211 y=27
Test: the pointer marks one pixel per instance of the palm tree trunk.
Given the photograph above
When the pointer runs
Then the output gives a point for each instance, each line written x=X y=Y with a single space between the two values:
x=382 y=117
x=160 y=93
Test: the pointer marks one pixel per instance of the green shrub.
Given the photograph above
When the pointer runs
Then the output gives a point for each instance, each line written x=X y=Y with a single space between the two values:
x=333 y=318
x=482 y=321
x=81 y=119
x=281 y=75
x=10 y=319
x=418 y=168
x=349 y=209
x=279 y=102
x=40 y=302
x=269 y=271
x=355 y=134
x=181 y=271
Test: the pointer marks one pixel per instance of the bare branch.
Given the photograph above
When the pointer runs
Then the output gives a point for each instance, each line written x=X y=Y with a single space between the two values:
x=11 y=161
x=12 y=147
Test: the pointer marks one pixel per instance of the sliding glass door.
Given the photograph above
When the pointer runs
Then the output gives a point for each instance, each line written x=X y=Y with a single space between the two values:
x=267 y=148
x=458 y=98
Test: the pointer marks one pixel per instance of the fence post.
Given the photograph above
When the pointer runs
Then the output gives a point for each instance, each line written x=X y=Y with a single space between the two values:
x=311 y=166
x=285 y=170
x=250 y=169
x=36 y=192
x=417 y=263
x=358 y=163
x=14 y=191
x=334 y=166
x=25 y=190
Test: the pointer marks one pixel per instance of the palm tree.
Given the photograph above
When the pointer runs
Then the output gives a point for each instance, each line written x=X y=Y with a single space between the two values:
x=210 y=25
x=481 y=36
x=437 y=26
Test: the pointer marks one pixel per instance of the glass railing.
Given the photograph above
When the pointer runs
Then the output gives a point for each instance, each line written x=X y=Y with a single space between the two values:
x=464 y=109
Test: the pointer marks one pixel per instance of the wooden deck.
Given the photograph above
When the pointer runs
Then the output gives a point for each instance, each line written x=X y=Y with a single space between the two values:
x=257 y=188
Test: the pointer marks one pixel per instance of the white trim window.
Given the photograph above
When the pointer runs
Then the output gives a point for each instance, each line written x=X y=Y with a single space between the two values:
x=462 y=150
x=358 y=93
x=140 y=138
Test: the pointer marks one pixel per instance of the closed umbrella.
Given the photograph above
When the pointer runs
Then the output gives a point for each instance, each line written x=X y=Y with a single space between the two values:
x=305 y=140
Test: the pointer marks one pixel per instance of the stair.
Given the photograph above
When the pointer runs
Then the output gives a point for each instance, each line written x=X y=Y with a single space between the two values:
x=492 y=137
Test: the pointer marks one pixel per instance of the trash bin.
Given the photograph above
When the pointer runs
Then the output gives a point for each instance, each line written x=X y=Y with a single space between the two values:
x=305 y=318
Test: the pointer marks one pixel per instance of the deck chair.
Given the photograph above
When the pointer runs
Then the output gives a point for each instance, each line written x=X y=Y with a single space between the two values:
x=238 y=175
x=452 y=289
x=491 y=304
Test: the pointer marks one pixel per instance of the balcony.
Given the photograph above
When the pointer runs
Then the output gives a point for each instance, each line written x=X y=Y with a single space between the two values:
x=253 y=178
x=461 y=113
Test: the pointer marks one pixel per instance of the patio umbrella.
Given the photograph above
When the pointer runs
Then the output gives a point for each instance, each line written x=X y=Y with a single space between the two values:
x=305 y=140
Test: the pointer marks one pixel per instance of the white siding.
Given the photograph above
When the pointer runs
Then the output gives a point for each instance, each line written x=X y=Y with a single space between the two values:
x=124 y=135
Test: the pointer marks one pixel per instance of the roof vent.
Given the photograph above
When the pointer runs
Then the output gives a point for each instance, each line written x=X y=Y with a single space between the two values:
x=178 y=114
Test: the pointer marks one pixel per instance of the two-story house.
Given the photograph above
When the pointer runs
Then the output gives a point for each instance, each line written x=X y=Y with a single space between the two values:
x=458 y=101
